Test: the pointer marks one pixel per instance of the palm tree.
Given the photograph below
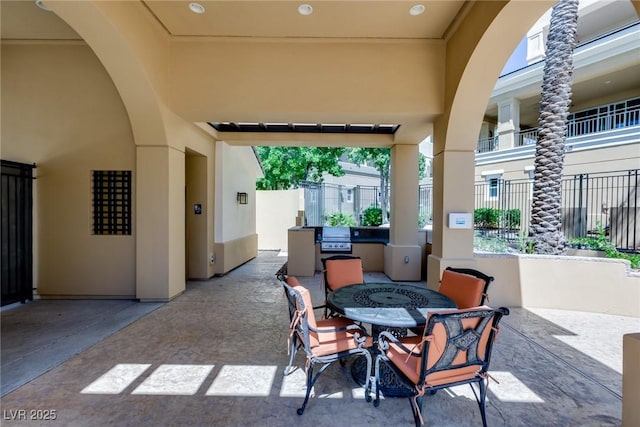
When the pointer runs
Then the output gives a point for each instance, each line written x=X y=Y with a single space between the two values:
x=546 y=218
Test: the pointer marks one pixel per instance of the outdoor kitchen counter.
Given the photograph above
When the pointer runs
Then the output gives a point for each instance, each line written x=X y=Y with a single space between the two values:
x=304 y=253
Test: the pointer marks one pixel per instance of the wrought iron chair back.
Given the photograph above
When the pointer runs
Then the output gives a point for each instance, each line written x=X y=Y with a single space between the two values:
x=323 y=341
x=455 y=349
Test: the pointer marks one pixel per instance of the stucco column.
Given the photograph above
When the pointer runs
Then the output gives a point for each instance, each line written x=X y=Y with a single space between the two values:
x=160 y=223
x=403 y=255
x=508 y=123
x=453 y=192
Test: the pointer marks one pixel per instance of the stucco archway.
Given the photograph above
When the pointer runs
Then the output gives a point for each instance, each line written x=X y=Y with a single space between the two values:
x=476 y=54
x=134 y=56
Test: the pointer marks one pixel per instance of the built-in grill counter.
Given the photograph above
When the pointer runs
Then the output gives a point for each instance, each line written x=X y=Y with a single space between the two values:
x=308 y=245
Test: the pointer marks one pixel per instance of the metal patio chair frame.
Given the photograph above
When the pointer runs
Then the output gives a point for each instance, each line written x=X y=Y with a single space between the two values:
x=339 y=333
x=426 y=365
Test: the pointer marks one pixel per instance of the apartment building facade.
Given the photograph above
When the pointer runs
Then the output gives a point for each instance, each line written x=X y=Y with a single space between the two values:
x=602 y=149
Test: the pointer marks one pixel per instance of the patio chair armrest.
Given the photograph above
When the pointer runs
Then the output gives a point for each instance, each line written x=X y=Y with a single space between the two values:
x=359 y=333
x=384 y=338
x=352 y=328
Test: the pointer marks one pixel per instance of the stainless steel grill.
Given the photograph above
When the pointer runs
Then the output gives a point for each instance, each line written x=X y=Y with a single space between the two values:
x=336 y=239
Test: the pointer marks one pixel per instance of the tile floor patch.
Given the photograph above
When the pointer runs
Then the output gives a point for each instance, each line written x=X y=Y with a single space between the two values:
x=463 y=391
x=358 y=393
x=294 y=384
x=243 y=380
x=182 y=380
x=116 y=379
x=511 y=389
x=508 y=389
x=586 y=328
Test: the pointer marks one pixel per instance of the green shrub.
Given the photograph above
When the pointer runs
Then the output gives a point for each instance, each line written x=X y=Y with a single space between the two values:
x=526 y=244
x=486 y=217
x=511 y=218
x=634 y=259
x=598 y=242
x=340 y=219
x=601 y=242
x=497 y=218
x=372 y=216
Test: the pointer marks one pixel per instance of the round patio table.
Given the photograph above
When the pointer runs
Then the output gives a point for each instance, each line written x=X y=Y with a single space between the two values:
x=392 y=307
x=395 y=305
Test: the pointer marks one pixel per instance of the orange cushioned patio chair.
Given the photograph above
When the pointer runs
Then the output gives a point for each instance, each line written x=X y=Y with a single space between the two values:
x=455 y=349
x=340 y=271
x=465 y=286
x=323 y=341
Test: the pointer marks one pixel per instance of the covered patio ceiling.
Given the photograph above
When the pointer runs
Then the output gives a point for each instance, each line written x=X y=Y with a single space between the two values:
x=381 y=25
x=21 y=19
x=328 y=19
x=340 y=23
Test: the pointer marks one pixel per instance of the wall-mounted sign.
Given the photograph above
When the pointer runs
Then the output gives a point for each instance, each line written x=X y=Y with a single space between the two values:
x=460 y=220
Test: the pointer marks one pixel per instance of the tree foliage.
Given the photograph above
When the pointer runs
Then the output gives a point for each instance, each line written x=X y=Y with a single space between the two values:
x=287 y=167
x=546 y=219
x=380 y=158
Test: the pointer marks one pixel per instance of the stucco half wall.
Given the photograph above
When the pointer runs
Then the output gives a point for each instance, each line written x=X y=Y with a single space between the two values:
x=234 y=253
x=588 y=284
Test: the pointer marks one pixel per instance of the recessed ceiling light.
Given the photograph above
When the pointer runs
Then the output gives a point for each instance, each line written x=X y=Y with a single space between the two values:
x=196 y=8
x=418 y=9
x=42 y=5
x=305 y=9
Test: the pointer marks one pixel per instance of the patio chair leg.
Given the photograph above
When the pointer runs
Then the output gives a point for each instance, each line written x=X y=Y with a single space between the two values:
x=311 y=380
x=309 y=387
x=416 y=407
x=367 y=385
x=481 y=402
x=292 y=350
x=376 y=401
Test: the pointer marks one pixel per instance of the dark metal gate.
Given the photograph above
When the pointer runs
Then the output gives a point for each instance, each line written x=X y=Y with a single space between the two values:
x=16 y=227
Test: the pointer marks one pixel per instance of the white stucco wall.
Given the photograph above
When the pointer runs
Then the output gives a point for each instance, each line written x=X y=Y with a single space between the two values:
x=236 y=171
x=277 y=212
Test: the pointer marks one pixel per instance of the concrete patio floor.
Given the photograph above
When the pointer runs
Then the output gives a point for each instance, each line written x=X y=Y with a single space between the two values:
x=215 y=355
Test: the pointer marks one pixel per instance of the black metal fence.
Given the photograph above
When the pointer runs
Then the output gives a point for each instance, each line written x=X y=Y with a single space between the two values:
x=324 y=200
x=608 y=203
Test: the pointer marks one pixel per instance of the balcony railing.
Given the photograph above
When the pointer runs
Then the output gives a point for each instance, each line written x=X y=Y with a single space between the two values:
x=527 y=137
x=614 y=116
x=487 y=144
x=594 y=120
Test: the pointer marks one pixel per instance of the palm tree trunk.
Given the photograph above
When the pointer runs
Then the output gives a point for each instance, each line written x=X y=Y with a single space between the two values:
x=546 y=215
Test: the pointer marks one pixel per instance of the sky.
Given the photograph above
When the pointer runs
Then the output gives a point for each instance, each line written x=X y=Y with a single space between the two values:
x=518 y=58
